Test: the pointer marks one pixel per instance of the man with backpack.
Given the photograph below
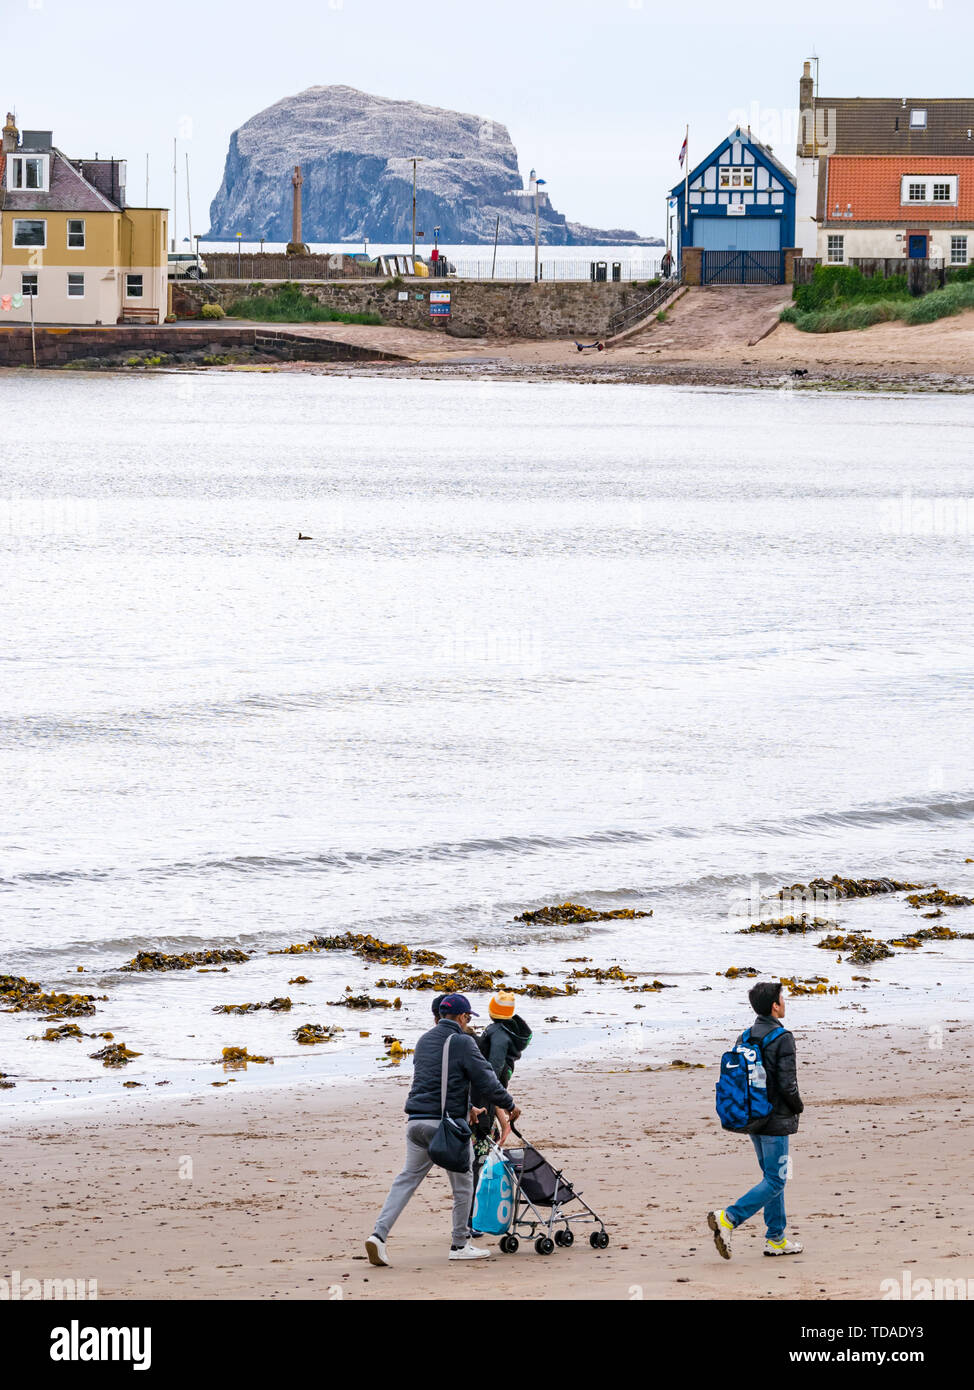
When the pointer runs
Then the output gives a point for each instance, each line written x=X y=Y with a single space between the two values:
x=757 y=1094
x=466 y=1067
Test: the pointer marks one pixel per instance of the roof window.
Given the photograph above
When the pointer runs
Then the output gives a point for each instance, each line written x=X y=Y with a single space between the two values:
x=918 y=118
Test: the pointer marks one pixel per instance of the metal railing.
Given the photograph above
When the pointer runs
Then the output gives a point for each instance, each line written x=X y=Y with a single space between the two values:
x=550 y=268
x=642 y=308
x=262 y=266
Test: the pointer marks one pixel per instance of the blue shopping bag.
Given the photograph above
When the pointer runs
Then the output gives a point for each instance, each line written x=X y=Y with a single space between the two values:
x=494 y=1205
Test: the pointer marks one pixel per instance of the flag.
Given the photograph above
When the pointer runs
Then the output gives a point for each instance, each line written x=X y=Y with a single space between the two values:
x=18 y=301
x=683 y=151
x=6 y=301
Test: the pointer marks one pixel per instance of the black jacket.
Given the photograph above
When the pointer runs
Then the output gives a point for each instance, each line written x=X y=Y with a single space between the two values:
x=779 y=1063
x=502 y=1044
x=467 y=1068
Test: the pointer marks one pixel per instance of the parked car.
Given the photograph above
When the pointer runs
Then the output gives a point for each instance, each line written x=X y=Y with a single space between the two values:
x=186 y=265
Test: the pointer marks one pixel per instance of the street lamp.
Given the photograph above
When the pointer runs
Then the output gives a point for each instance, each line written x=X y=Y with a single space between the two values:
x=536 y=181
x=416 y=159
x=239 y=239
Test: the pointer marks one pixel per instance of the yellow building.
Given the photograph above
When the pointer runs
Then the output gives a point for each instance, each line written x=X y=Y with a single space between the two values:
x=68 y=238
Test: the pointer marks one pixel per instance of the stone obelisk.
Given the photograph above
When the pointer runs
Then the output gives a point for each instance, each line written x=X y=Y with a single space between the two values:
x=296 y=246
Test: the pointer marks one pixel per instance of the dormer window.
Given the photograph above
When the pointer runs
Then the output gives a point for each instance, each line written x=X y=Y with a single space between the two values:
x=937 y=188
x=731 y=177
x=918 y=118
x=27 y=172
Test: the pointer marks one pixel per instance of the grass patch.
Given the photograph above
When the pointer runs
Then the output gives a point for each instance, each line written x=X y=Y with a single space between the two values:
x=289 y=304
x=840 y=298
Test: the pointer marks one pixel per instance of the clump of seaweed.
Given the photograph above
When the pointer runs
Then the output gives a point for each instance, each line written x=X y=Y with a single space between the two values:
x=939 y=897
x=734 y=971
x=114 y=1055
x=300 y=980
x=836 y=887
x=815 y=984
x=158 y=960
x=778 y=926
x=572 y=913
x=649 y=987
x=310 y=1033
x=365 y=1001
x=369 y=947
x=22 y=994
x=547 y=991
x=863 y=949
x=237 y=1057
x=62 y=1031
x=614 y=972
x=394 y=1049
x=460 y=976
x=278 y=1005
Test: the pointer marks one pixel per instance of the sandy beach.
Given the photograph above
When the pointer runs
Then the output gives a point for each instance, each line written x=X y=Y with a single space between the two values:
x=285 y=1184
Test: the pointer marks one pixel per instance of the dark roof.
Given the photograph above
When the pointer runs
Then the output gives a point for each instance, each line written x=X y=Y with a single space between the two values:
x=69 y=191
x=881 y=125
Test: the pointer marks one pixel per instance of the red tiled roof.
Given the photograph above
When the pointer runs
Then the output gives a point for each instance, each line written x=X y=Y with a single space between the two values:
x=872 y=185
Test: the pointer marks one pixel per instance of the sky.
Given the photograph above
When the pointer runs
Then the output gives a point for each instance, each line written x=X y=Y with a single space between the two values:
x=596 y=94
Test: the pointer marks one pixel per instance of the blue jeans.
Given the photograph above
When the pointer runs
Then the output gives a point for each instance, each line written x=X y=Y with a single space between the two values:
x=772 y=1152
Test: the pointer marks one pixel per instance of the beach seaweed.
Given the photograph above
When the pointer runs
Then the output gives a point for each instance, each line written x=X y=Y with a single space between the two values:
x=614 y=972
x=778 y=926
x=863 y=949
x=939 y=897
x=365 y=1001
x=237 y=1057
x=158 y=960
x=310 y=1033
x=816 y=984
x=572 y=913
x=278 y=1005
x=114 y=1055
x=837 y=887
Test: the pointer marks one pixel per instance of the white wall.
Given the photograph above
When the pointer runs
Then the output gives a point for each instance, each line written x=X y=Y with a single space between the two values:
x=806 y=205
x=102 y=301
x=881 y=241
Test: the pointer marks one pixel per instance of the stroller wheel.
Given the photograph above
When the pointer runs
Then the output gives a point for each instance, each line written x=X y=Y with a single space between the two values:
x=564 y=1238
x=508 y=1245
x=599 y=1240
x=544 y=1245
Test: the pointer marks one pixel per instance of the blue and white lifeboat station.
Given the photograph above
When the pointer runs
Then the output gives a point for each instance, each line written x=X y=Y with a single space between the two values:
x=741 y=213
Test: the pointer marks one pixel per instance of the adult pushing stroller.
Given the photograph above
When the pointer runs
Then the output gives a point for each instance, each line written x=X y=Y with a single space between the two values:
x=530 y=1195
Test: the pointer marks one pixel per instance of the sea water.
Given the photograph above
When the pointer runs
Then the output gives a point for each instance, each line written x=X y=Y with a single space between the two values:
x=632 y=646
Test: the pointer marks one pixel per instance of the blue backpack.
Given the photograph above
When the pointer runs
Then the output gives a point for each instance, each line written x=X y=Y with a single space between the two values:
x=742 y=1091
x=494 y=1205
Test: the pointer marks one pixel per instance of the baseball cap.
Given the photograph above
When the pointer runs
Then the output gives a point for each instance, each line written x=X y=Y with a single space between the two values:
x=453 y=1004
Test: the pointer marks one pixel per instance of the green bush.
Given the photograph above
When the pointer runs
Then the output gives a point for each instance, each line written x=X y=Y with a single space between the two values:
x=212 y=311
x=831 y=285
x=661 y=316
x=289 y=304
x=952 y=299
x=962 y=274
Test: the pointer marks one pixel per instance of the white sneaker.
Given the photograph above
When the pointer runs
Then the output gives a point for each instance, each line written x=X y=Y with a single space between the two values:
x=377 y=1251
x=722 y=1228
x=783 y=1247
x=468 y=1252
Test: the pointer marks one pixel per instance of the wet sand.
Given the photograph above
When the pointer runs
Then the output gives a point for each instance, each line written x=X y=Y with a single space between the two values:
x=284 y=1185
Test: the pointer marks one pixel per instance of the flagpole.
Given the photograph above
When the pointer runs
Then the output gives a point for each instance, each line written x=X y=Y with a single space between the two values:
x=686 y=179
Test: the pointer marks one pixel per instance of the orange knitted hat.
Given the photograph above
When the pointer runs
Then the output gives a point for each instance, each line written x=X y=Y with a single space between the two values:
x=502 y=1005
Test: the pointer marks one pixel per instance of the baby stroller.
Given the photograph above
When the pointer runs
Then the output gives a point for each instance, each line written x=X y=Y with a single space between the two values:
x=544 y=1204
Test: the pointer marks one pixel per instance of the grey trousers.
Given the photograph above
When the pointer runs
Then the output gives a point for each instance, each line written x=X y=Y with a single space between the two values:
x=418 y=1163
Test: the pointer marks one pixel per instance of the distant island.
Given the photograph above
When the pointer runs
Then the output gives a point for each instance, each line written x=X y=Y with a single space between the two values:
x=356 y=156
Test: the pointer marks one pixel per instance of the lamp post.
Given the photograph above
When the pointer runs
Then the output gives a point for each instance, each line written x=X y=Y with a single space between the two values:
x=416 y=159
x=536 y=181
x=239 y=239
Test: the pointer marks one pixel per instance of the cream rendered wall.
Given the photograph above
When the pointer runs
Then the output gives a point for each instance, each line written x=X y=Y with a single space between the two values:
x=882 y=241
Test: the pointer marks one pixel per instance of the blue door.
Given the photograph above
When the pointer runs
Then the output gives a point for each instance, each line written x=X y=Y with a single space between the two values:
x=737 y=233
x=918 y=246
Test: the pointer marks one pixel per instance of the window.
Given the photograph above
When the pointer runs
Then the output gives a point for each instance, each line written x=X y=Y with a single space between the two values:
x=28 y=233
x=27 y=171
x=939 y=188
x=918 y=119
x=736 y=178
x=76 y=234
x=836 y=249
x=133 y=287
x=958 y=250
x=76 y=287
x=28 y=284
